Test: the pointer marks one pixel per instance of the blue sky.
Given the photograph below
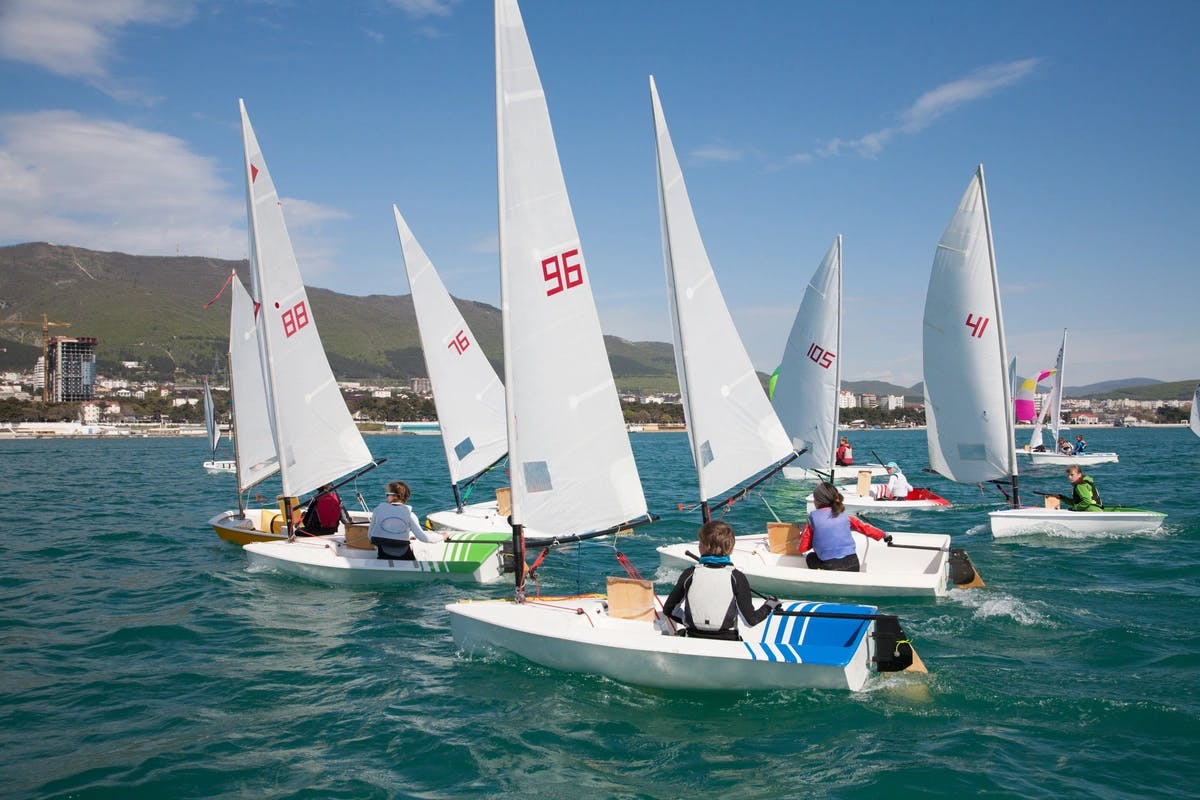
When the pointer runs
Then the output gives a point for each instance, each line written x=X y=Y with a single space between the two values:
x=794 y=121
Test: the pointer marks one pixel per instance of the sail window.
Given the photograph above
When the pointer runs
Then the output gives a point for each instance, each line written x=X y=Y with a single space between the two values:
x=464 y=448
x=706 y=454
x=537 y=476
x=972 y=451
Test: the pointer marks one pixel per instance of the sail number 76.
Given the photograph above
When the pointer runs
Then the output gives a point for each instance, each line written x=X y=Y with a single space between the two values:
x=562 y=271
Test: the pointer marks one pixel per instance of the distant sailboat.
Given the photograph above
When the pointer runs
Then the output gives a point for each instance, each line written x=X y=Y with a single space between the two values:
x=214 y=465
x=1052 y=410
x=1195 y=418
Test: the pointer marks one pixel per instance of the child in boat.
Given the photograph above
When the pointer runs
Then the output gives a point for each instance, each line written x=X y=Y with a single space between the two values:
x=1080 y=444
x=897 y=485
x=324 y=512
x=714 y=594
x=828 y=529
x=1084 y=495
x=1065 y=448
x=844 y=457
x=393 y=524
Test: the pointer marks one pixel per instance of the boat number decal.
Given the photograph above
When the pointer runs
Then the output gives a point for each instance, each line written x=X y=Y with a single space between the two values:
x=977 y=326
x=820 y=356
x=460 y=342
x=563 y=271
x=294 y=318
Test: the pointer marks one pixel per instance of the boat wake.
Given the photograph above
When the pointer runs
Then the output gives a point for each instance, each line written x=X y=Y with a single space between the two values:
x=990 y=605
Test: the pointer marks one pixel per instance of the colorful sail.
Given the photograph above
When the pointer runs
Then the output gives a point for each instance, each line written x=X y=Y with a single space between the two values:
x=1052 y=408
x=806 y=392
x=315 y=437
x=571 y=463
x=733 y=430
x=1024 y=396
x=968 y=402
x=466 y=390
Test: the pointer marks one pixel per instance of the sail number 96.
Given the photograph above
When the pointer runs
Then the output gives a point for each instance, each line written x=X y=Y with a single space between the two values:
x=562 y=271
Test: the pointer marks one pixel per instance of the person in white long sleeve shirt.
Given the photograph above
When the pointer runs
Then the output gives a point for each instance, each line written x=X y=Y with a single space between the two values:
x=394 y=525
x=897 y=485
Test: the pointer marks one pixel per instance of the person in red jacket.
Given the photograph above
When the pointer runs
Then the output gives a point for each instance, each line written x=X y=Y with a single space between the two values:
x=324 y=512
x=828 y=533
x=844 y=457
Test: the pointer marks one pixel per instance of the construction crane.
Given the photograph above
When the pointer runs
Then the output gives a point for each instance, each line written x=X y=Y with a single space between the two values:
x=46 y=325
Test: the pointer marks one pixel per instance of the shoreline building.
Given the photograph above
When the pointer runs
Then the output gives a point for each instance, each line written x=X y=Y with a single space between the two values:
x=71 y=368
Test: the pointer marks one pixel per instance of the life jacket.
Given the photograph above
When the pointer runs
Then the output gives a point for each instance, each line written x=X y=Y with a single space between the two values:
x=1077 y=497
x=710 y=606
x=831 y=535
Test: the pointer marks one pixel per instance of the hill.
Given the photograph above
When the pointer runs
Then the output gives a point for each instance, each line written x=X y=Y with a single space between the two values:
x=150 y=309
x=1096 y=389
x=1158 y=390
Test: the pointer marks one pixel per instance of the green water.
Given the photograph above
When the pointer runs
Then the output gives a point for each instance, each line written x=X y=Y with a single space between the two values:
x=140 y=658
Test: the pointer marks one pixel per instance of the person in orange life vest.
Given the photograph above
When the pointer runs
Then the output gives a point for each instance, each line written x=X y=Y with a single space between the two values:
x=828 y=533
x=324 y=512
x=844 y=457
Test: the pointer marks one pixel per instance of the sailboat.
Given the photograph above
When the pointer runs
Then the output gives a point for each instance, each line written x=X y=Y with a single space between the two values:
x=1194 y=420
x=969 y=409
x=572 y=467
x=809 y=379
x=466 y=390
x=314 y=434
x=915 y=563
x=1053 y=410
x=253 y=444
x=214 y=465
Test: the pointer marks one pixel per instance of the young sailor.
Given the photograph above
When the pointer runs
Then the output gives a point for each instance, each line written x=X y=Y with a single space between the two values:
x=1080 y=444
x=713 y=593
x=393 y=525
x=844 y=457
x=1084 y=495
x=827 y=532
x=897 y=485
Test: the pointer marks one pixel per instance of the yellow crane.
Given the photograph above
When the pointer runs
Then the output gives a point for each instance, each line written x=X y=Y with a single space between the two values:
x=45 y=325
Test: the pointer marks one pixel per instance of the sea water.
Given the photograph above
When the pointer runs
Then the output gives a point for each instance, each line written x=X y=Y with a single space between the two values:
x=139 y=657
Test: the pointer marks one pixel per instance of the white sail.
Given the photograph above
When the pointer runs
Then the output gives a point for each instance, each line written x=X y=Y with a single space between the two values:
x=315 y=436
x=1052 y=407
x=968 y=400
x=466 y=390
x=806 y=391
x=253 y=441
x=210 y=420
x=1195 y=418
x=733 y=430
x=571 y=464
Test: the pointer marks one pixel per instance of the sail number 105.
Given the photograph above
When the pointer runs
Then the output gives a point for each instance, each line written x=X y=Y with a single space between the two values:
x=820 y=356
x=563 y=271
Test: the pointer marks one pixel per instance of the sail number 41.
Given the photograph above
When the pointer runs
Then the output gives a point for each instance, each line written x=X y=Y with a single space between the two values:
x=562 y=271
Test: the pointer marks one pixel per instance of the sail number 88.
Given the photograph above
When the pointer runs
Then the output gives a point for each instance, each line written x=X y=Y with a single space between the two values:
x=562 y=271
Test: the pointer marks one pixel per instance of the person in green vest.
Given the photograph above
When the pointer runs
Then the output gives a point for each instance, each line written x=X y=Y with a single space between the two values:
x=1084 y=496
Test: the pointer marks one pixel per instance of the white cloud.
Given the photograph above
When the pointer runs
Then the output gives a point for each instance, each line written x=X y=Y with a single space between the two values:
x=928 y=108
x=77 y=38
x=425 y=8
x=714 y=152
x=106 y=185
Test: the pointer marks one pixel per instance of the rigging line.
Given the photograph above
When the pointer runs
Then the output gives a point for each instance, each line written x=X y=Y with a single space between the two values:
x=768 y=505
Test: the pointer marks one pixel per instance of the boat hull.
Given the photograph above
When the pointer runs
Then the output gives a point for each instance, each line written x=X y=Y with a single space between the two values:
x=1021 y=521
x=840 y=474
x=329 y=559
x=482 y=517
x=861 y=504
x=577 y=635
x=220 y=467
x=1062 y=459
x=886 y=571
x=258 y=525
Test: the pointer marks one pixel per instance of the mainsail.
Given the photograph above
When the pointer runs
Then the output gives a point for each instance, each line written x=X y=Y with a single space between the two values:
x=968 y=402
x=466 y=390
x=210 y=420
x=733 y=431
x=253 y=439
x=315 y=437
x=571 y=463
x=806 y=391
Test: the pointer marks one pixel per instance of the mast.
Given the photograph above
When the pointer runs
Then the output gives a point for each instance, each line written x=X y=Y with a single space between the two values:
x=1009 y=410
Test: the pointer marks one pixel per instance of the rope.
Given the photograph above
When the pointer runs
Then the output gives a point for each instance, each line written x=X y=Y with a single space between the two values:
x=224 y=286
x=768 y=505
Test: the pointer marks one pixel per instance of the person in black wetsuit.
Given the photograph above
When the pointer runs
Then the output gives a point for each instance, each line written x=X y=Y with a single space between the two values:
x=714 y=594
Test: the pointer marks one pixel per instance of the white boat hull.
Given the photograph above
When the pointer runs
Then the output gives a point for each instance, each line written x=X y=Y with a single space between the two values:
x=840 y=474
x=1021 y=521
x=860 y=504
x=885 y=571
x=328 y=559
x=577 y=635
x=220 y=466
x=482 y=517
x=1062 y=459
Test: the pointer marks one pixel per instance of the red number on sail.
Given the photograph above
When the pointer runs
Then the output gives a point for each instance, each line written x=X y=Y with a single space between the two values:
x=562 y=272
x=460 y=342
x=977 y=326
x=820 y=356
x=294 y=319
